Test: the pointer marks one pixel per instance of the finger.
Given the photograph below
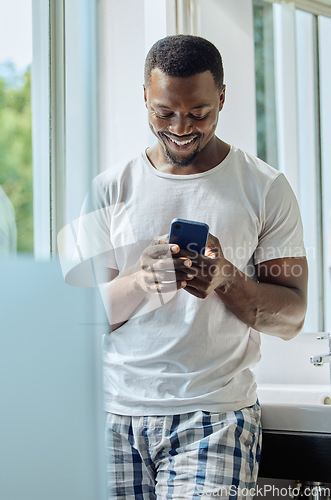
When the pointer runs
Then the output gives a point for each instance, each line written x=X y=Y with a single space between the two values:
x=183 y=276
x=159 y=250
x=213 y=247
x=183 y=252
x=196 y=292
x=190 y=271
x=171 y=276
x=195 y=257
x=160 y=240
x=170 y=264
x=162 y=277
x=168 y=287
x=182 y=263
x=212 y=238
x=205 y=275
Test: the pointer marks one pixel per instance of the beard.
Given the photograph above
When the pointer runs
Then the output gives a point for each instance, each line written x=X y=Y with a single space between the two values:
x=175 y=160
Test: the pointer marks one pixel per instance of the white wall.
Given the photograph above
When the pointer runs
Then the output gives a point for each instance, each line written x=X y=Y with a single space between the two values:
x=229 y=25
x=124 y=130
x=289 y=362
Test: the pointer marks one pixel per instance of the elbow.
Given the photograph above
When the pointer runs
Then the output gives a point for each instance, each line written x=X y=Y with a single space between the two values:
x=300 y=319
x=286 y=328
x=295 y=330
x=290 y=334
x=299 y=315
x=295 y=319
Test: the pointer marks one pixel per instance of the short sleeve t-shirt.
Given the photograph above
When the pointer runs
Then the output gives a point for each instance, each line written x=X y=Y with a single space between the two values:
x=183 y=353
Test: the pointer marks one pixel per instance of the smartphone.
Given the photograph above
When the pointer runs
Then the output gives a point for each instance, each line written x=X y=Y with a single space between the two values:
x=189 y=235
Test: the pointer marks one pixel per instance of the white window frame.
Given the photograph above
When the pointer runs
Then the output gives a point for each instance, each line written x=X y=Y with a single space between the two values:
x=309 y=174
x=64 y=114
x=40 y=83
x=316 y=7
x=324 y=30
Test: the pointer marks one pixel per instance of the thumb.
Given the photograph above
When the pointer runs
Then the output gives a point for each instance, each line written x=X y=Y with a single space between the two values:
x=213 y=247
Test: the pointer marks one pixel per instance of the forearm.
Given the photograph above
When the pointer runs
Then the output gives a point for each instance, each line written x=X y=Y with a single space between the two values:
x=122 y=296
x=269 y=308
x=158 y=271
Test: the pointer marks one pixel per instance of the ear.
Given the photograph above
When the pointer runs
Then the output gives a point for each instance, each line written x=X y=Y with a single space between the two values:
x=145 y=95
x=222 y=98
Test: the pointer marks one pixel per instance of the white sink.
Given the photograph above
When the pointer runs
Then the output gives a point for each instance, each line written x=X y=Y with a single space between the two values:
x=302 y=408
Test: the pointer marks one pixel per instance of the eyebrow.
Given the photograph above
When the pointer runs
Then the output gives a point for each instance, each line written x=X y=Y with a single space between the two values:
x=195 y=107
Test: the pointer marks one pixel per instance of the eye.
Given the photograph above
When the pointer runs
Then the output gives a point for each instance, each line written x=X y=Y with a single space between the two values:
x=164 y=116
x=199 y=117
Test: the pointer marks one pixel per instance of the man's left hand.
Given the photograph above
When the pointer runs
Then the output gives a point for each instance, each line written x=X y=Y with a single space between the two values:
x=209 y=271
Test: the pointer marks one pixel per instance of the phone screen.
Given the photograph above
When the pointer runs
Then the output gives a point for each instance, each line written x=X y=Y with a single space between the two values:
x=189 y=235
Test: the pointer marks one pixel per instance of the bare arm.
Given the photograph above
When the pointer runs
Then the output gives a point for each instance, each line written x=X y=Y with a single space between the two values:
x=121 y=296
x=275 y=305
x=158 y=271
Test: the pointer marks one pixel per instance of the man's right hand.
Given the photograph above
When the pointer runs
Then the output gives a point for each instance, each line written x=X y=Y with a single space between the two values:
x=159 y=271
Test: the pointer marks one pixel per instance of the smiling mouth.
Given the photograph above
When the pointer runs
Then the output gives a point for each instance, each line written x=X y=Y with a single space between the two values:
x=181 y=142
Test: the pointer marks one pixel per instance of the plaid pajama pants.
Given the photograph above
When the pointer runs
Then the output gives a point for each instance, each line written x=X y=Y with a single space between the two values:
x=187 y=456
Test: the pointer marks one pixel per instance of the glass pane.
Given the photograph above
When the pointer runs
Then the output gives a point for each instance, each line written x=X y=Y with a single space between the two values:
x=304 y=179
x=265 y=83
x=324 y=32
x=309 y=189
x=16 y=184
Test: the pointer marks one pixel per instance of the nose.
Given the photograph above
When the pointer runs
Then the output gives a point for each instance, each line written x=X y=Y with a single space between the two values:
x=180 y=125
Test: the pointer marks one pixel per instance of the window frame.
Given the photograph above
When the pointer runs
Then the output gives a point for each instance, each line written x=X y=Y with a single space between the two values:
x=62 y=37
x=300 y=140
x=316 y=7
x=40 y=90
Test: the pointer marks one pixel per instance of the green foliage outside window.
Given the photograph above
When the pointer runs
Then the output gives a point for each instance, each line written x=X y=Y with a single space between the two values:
x=259 y=79
x=16 y=150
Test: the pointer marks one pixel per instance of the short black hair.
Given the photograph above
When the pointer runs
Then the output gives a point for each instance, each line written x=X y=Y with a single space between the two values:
x=184 y=56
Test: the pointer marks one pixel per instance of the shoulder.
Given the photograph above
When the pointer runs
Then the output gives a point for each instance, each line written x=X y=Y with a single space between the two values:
x=116 y=171
x=252 y=175
x=108 y=183
x=251 y=165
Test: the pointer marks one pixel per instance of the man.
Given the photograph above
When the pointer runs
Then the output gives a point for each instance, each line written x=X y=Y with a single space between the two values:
x=183 y=418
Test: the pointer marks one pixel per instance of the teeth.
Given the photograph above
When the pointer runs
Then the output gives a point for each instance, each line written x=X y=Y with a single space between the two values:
x=181 y=143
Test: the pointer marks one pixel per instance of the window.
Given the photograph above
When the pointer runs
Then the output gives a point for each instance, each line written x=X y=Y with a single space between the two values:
x=16 y=178
x=290 y=76
x=47 y=119
x=265 y=83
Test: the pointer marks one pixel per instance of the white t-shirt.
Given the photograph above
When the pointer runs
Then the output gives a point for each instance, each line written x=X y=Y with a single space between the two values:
x=185 y=353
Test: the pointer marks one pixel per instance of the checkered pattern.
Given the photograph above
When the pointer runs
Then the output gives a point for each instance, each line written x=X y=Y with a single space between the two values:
x=188 y=456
